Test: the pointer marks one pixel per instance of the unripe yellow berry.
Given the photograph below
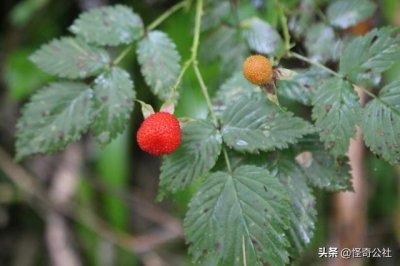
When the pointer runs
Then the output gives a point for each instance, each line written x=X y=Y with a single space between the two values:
x=258 y=69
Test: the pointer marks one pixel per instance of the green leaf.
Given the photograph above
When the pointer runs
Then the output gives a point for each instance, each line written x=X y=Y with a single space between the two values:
x=113 y=103
x=365 y=57
x=345 y=13
x=252 y=125
x=321 y=168
x=303 y=214
x=233 y=89
x=320 y=42
x=262 y=37
x=70 y=58
x=214 y=13
x=224 y=43
x=197 y=154
x=336 y=112
x=302 y=18
x=381 y=123
x=302 y=87
x=246 y=211
x=159 y=61
x=112 y=25
x=56 y=116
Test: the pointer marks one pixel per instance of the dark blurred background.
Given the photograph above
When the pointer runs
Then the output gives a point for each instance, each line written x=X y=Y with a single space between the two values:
x=92 y=206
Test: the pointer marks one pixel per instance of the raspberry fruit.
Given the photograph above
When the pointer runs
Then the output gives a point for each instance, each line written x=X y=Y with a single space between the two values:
x=258 y=69
x=159 y=134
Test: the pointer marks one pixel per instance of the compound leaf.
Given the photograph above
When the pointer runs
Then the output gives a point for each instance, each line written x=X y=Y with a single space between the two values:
x=70 y=58
x=381 y=123
x=239 y=218
x=56 y=115
x=159 y=61
x=336 y=112
x=344 y=13
x=253 y=125
x=321 y=169
x=364 y=58
x=112 y=25
x=303 y=214
x=197 y=154
x=302 y=87
x=262 y=37
x=113 y=103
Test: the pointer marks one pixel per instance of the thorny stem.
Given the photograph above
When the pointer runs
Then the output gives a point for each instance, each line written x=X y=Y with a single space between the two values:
x=153 y=25
x=167 y=14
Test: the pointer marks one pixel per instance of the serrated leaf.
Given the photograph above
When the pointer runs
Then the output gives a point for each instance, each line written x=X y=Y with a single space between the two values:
x=262 y=37
x=381 y=123
x=159 y=62
x=113 y=103
x=321 y=168
x=224 y=43
x=336 y=113
x=197 y=154
x=252 y=125
x=112 y=25
x=345 y=13
x=55 y=116
x=247 y=210
x=320 y=40
x=70 y=58
x=214 y=13
x=364 y=58
x=302 y=87
x=233 y=89
x=303 y=214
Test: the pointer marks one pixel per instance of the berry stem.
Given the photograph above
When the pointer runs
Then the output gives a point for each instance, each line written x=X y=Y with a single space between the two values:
x=285 y=29
x=167 y=14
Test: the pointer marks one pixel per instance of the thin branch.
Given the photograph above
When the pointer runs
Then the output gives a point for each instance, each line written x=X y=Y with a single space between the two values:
x=167 y=14
x=309 y=61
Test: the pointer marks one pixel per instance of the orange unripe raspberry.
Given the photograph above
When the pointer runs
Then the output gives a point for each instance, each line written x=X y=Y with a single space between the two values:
x=258 y=69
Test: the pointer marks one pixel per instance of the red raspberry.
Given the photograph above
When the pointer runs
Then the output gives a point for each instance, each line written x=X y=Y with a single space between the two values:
x=159 y=134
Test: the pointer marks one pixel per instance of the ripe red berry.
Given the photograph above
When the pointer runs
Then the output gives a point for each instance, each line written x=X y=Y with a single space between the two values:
x=159 y=134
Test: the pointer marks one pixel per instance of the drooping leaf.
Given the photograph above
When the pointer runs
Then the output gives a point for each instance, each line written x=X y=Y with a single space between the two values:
x=321 y=168
x=252 y=125
x=113 y=103
x=381 y=123
x=303 y=214
x=262 y=37
x=239 y=218
x=320 y=42
x=302 y=87
x=112 y=25
x=344 y=13
x=70 y=58
x=159 y=62
x=197 y=154
x=55 y=116
x=336 y=113
x=364 y=58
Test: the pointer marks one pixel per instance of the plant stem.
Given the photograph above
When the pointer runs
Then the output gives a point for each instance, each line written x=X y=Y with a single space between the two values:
x=167 y=14
x=205 y=92
x=228 y=163
x=309 y=61
x=285 y=29
x=122 y=55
